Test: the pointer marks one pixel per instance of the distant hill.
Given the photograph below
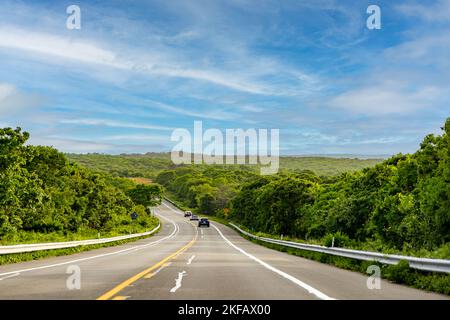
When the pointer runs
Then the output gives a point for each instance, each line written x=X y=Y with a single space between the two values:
x=150 y=164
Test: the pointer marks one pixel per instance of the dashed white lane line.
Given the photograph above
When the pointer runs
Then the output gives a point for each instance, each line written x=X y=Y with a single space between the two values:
x=121 y=297
x=174 y=232
x=178 y=281
x=152 y=274
x=201 y=231
x=305 y=286
x=190 y=259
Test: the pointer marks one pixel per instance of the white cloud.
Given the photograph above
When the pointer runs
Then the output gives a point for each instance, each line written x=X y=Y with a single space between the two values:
x=239 y=70
x=92 y=53
x=112 y=123
x=219 y=78
x=251 y=108
x=6 y=90
x=411 y=76
x=136 y=137
x=13 y=101
x=70 y=145
x=431 y=49
x=41 y=43
x=214 y=114
x=86 y=146
x=385 y=99
x=440 y=11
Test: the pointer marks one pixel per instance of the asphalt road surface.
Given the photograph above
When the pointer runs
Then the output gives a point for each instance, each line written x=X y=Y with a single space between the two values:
x=186 y=262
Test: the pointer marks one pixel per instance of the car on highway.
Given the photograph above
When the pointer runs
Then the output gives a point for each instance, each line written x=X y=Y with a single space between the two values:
x=203 y=222
x=187 y=214
x=194 y=217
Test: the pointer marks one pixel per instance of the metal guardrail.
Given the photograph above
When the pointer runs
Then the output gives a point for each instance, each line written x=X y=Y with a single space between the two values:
x=436 y=265
x=20 y=248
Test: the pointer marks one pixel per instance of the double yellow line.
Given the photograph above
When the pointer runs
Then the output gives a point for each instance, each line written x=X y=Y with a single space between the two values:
x=111 y=293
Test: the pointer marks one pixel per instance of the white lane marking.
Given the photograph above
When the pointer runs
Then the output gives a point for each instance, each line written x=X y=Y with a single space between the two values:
x=160 y=268
x=174 y=232
x=190 y=259
x=201 y=231
x=310 y=289
x=165 y=265
x=178 y=281
x=10 y=276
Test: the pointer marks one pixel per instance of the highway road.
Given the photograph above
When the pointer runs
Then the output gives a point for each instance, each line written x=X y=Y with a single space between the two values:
x=183 y=262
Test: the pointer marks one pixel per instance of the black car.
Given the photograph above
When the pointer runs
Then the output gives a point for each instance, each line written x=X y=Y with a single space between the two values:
x=203 y=222
x=194 y=217
x=188 y=214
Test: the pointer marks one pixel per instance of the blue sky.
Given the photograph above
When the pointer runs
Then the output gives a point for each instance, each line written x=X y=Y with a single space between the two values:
x=139 y=69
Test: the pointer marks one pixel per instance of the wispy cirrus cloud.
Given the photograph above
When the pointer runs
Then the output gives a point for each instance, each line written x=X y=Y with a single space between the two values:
x=216 y=114
x=114 y=124
x=437 y=11
x=93 y=53
x=386 y=99
x=73 y=145
x=57 y=46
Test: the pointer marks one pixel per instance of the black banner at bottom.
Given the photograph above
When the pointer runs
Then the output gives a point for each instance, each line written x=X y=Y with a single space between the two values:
x=215 y=309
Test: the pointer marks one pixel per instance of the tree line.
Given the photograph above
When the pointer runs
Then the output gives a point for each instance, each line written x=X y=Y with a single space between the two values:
x=42 y=192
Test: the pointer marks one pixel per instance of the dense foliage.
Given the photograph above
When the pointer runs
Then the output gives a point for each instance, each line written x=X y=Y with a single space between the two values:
x=41 y=192
x=208 y=188
x=125 y=165
x=402 y=203
x=149 y=165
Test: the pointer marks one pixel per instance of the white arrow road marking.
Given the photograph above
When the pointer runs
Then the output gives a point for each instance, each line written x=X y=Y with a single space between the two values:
x=310 y=289
x=10 y=276
x=190 y=259
x=178 y=281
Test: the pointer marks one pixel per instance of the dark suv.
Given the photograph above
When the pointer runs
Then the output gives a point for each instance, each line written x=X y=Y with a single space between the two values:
x=203 y=222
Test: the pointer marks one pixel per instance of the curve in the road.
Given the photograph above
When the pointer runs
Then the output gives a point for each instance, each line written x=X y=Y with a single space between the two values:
x=135 y=248
x=215 y=263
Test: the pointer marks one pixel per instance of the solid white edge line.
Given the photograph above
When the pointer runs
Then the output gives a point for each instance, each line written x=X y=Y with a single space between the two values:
x=174 y=232
x=10 y=276
x=305 y=286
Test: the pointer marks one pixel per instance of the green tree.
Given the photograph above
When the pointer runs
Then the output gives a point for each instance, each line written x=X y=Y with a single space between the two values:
x=147 y=195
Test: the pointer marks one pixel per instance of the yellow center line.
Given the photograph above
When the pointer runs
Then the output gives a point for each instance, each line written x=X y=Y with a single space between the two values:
x=126 y=283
